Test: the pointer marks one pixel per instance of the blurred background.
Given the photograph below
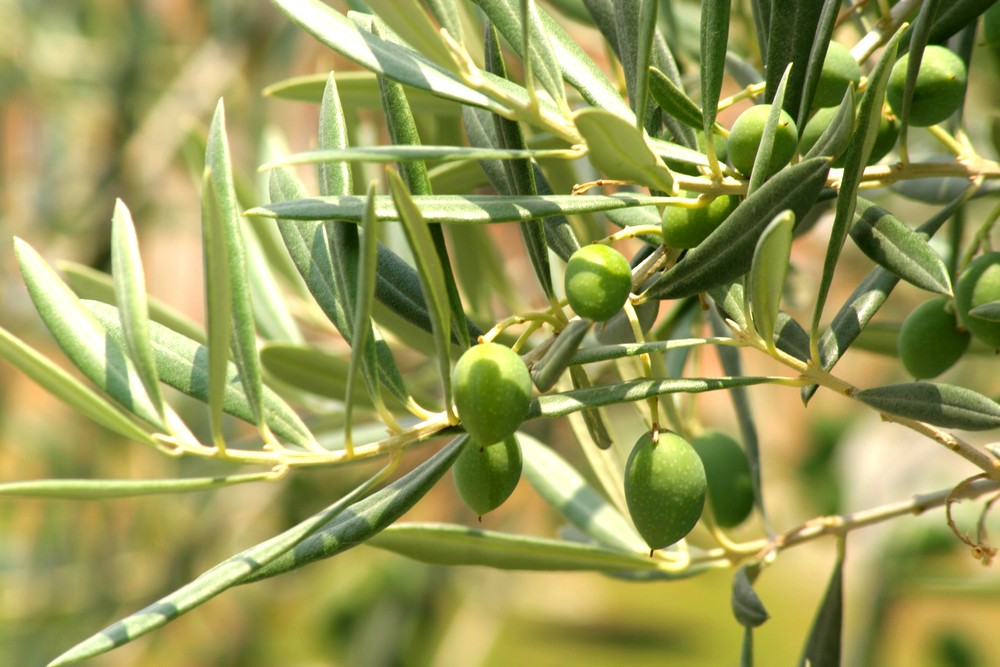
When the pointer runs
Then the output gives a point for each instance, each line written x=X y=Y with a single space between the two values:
x=101 y=99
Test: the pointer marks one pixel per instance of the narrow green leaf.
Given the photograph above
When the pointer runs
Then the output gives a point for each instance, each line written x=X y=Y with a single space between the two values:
x=367 y=517
x=431 y=275
x=821 y=38
x=643 y=58
x=955 y=16
x=673 y=100
x=410 y=20
x=620 y=151
x=182 y=363
x=130 y=293
x=101 y=489
x=68 y=389
x=835 y=138
x=858 y=151
x=728 y=251
x=449 y=544
x=918 y=35
x=455 y=209
x=270 y=304
x=936 y=403
x=509 y=19
x=762 y=161
x=747 y=607
x=228 y=308
x=897 y=248
x=378 y=55
x=823 y=648
x=447 y=15
x=86 y=342
x=546 y=371
x=597 y=429
x=308 y=368
x=566 y=490
x=360 y=91
x=714 y=42
x=558 y=405
x=89 y=283
x=768 y=272
x=362 y=304
x=791 y=35
x=403 y=153
x=219 y=578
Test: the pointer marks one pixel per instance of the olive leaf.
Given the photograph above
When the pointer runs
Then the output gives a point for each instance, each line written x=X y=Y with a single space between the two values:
x=547 y=370
x=620 y=151
x=936 y=403
x=410 y=20
x=728 y=251
x=102 y=489
x=899 y=249
x=835 y=138
x=182 y=363
x=673 y=100
x=714 y=39
x=768 y=272
x=823 y=647
x=762 y=160
x=747 y=607
x=450 y=544
x=219 y=578
x=987 y=311
x=793 y=32
x=821 y=37
x=359 y=90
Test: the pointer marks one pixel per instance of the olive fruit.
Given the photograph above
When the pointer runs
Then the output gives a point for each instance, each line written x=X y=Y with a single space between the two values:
x=979 y=284
x=930 y=341
x=492 y=391
x=746 y=133
x=885 y=139
x=815 y=128
x=665 y=488
x=840 y=69
x=486 y=475
x=598 y=282
x=938 y=91
x=687 y=227
x=730 y=486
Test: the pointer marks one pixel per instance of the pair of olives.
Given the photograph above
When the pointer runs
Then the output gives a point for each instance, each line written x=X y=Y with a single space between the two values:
x=938 y=332
x=668 y=480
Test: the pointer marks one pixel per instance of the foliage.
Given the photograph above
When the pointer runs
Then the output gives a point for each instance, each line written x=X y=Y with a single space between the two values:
x=403 y=270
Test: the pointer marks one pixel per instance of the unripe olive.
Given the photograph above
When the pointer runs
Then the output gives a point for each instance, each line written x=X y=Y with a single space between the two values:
x=730 y=486
x=840 y=69
x=885 y=139
x=687 y=227
x=492 y=391
x=930 y=341
x=485 y=476
x=979 y=284
x=815 y=128
x=747 y=131
x=598 y=281
x=939 y=89
x=665 y=488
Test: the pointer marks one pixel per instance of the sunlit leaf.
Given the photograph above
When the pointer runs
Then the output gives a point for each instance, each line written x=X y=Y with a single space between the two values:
x=410 y=20
x=100 y=489
x=768 y=272
x=823 y=648
x=620 y=151
x=714 y=42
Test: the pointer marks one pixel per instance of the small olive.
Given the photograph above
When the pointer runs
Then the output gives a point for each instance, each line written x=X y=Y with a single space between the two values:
x=979 y=284
x=747 y=132
x=486 y=475
x=598 y=282
x=492 y=391
x=930 y=340
x=938 y=91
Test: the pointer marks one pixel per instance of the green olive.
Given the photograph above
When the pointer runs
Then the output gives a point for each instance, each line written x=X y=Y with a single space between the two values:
x=485 y=476
x=746 y=134
x=665 y=488
x=687 y=227
x=598 y=282
x=885 y=139
x=492 y=391
x=930 y=340
x=938 y=91
x=840 y=70
x=730 y=485
x=979 y=284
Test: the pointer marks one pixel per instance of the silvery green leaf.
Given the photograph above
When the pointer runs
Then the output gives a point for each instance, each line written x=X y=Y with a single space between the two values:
x=987 y=311
x=899 y=249
x=768 y=272
x=620 y=151
x=936 y=403
x=182 y=363
x=454 y=209
x=747 y=607
x=411 y=22
x=714 y=42
x=833 y=142
x=821 y=37
x=450 y=544
x=101 y=489
x=130 y=294
x=673 y=100
x=359 y=90
x=762 y=160
x=565 y=489
x=219 y=578
x=792 y=32
x=68 y=389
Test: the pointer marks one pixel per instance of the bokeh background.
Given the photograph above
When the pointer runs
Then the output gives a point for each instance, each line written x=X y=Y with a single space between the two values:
x=109 y=98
